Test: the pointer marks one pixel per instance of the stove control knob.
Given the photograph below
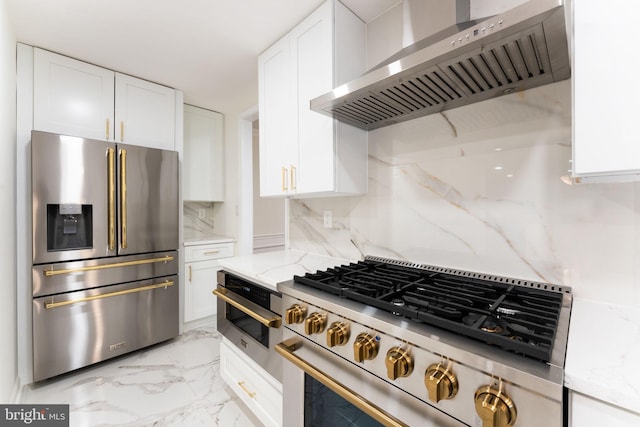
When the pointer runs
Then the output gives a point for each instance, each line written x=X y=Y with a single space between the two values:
x=365 y=347
x=295 y=314
x=337 y=334
x=399 y=363
x=315 y=323
x=441 y=382
x=494 y=407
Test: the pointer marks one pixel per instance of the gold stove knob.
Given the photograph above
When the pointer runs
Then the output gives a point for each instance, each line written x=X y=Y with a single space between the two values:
x=337 y=334
x=494 y=407
x=295 y=314
x=315 y=323
x=365 y=347
x=399 y=363
x=441 y=382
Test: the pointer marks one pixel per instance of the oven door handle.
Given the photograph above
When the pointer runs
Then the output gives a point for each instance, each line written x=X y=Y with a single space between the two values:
x=249 y=308
x=287 y=348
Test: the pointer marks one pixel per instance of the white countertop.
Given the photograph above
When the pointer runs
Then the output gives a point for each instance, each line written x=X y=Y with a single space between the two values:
x=192 y=237
x=603 y=354
x=271 y=268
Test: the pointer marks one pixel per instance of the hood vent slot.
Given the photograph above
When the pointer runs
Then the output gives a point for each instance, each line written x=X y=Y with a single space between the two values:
x=478 y=71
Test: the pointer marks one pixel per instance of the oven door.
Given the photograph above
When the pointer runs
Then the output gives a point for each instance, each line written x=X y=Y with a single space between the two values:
x=249 y=325
x=322 y=389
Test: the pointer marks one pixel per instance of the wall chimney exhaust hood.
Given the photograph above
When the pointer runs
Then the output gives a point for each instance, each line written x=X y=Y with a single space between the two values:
x=519 y=49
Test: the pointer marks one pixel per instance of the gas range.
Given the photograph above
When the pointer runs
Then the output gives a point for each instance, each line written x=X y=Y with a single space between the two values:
x=457 y=347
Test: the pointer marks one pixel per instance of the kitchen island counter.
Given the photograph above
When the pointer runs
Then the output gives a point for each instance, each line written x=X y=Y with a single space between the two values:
x=270 y=268
x=603 y=353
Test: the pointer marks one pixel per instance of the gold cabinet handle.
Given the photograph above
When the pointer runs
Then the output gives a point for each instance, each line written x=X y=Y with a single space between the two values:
x=109 y=295
x=107 y=128
x=285 y=185
x=53 y=272
x=111 y=190
x=123 y=198
x=121 y=130
x=287 y=348
x=211 y=252
x=247 y=307
x=244 y=388
x=293 y=177
x=189 y=273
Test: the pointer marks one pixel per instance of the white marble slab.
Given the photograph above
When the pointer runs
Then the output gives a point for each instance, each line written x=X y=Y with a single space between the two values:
x=603 y=355
x=271 y=268
x=196 y=237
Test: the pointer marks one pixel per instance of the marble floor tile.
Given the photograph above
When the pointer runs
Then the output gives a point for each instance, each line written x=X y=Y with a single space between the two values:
x=176 y=383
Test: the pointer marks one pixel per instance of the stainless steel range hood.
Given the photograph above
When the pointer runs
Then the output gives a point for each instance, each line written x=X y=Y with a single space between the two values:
x=519 y=49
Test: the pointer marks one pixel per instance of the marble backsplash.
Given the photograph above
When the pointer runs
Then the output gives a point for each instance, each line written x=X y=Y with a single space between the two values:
x=193 y=224
x=480 y=188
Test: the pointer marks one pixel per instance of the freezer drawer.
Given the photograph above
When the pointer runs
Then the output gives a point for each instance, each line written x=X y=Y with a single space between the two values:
x=76 y=329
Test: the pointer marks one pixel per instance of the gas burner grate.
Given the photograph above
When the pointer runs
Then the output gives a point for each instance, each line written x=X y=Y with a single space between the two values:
x=516 y=318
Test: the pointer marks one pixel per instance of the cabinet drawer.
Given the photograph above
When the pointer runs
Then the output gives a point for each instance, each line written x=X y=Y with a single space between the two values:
x=251 y=383
x=208 y=252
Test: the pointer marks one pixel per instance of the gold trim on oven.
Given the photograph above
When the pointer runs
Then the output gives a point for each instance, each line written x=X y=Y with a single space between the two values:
x=248 y=308
x=287 y=348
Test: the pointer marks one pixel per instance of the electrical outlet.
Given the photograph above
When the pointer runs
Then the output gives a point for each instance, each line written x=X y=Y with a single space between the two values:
x=328 y=219
x=201 y=213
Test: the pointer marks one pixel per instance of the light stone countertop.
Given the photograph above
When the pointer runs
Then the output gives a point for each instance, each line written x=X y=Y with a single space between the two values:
x=192 y=237
x=270 y=268
x=603 y=355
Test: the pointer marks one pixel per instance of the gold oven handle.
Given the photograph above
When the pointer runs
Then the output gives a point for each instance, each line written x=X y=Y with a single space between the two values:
x=273 y=322
x=109 y=295
x=53 y=272
x=287 y=348
x=123 y=198
x=111 y=189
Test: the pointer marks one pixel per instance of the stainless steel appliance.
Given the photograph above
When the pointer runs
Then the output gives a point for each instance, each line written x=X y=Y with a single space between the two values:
x=248 y=316
x=468 y=62
x=105 y=240
x=400 y=344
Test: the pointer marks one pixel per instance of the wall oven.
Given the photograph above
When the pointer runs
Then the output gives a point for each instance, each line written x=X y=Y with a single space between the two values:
x=248 y=316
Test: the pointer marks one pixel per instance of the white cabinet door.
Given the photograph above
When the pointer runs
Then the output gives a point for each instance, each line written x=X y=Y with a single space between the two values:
x=304 y=153
x=145 y=113
x=588 y=412
x=278 y=150
x=605 y=137
x=199 y=300
x=71 y=97
x=312 y=59
x=203 y=172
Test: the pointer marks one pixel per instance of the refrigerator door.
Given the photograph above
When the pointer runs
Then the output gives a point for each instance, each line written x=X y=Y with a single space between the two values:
x=73 y=215
x=147 y=199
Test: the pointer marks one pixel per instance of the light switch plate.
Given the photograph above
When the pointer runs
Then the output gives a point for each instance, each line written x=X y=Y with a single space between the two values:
x=328 y=219
x=201 y=213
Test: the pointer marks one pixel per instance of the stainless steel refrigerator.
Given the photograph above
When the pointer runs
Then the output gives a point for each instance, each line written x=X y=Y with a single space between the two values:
x=105 y=241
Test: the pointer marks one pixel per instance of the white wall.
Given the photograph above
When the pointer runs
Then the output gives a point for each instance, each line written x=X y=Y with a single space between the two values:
x=8 y=362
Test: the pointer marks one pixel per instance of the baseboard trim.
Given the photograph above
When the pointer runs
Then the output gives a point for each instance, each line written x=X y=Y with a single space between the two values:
x=16 y=392
x=265 y=241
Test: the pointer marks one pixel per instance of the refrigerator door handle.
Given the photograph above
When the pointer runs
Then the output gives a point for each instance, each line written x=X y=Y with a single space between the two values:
x=123 y=198
x=52 y=272
x=111 y=189
x=165 y=284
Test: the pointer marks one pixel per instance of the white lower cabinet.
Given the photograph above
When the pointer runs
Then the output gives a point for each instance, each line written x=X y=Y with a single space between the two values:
x=256 y=388
x=589 y=412
x=201 y=269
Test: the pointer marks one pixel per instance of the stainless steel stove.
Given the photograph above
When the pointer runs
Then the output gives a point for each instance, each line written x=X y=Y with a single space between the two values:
x=412 y=344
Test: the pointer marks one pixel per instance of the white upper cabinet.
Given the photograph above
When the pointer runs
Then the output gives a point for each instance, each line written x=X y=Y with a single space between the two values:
x=606 y=145
x=145 y=113
x=71 y=97
x=203 y=171
x=304 y=153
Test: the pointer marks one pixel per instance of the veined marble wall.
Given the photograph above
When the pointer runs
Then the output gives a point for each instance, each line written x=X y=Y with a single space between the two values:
x=479 y=188
x=193 y=225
